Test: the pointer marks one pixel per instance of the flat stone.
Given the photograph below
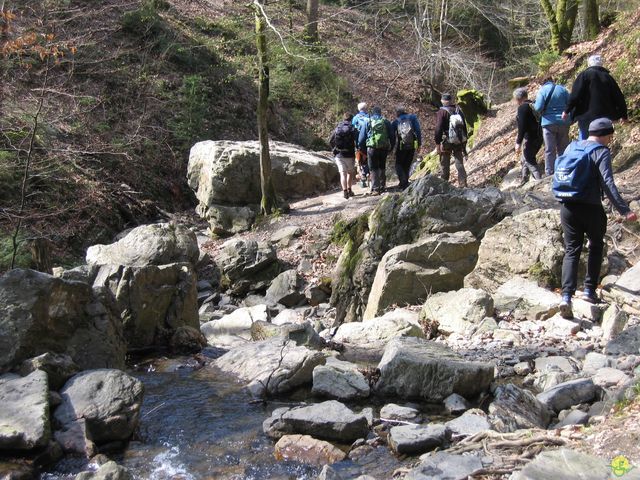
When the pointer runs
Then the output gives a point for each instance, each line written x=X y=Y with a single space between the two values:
x=330 y=420
x=469 y=423
x=525 y=299
x=575 y=417
x=235 y=328
x=560 y=327
x=308 y=450
x=458 y=311
x=564 y=463
x=568 y=394
x=412 y=439
x=24 y=416
x=339 y=380
x=555 y=363
x=285 y=235
x=108 y=471
x=594 y=361
x=391 y=411
x=398 y=323
x=610 y=378
x=625 y=343
x=445 y=466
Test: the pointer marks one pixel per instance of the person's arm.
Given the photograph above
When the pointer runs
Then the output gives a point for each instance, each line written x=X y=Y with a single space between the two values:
x=362 y=137
x=578 y=91
x=521 y=119
x=618 y=100
x=539 y=103
x=416 y=127
x=603 y=161
x=439 y=131
x=392 y=133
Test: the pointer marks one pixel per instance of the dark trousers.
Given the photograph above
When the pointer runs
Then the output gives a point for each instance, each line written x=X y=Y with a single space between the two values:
x=530 y=147
x=578 y=220
x=377 y=159
x=403 y=164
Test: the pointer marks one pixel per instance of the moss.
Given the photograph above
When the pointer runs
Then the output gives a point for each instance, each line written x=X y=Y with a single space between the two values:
x=473 y=105
x=350 y=230
x=430 y=164
x=545 y=277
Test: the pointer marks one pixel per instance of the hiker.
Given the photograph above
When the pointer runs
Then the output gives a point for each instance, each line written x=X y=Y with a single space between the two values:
x=550 y=102
x=406 y=130
x=529 y=138
x=377 y=137
x=581 y=175
x=359 y=121
x=594 y=94
x=343 y=140
x=451 y=138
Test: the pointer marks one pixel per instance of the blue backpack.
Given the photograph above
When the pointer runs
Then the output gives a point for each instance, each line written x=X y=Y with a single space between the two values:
x=574 y=171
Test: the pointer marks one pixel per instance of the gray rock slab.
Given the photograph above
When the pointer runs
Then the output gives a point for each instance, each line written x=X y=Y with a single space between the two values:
x=469 y=423
x=608 y=377
x=445 y=466
x=525 y=299
x=555 y=363
x=575 y=417
x=339 y=380
x=392 y=411
x=59 y=368
x=412 y=439
x=626 y=343
x=594 y=361
x=287 y=289
x=415 y=368
x=568 y=394
x=514 y=408
x=458 y=311
x=397 y=323
x=330 y=420
x=24 y=415
x=613 y=322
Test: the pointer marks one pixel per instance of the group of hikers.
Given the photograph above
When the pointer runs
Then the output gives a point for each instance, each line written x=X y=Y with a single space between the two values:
x=365 y=140
x=582 y=171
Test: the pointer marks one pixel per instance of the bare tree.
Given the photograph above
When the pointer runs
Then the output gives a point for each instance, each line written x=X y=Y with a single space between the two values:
x=562 y=19
x=311 y=29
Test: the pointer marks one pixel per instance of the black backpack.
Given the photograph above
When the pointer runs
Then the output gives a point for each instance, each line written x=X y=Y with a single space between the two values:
x=406 y=134
x=344 y=137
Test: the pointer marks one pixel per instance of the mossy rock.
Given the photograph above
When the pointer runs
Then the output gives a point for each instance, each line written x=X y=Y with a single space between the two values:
x=518 y=82
x=473 y=105
x=429 y=165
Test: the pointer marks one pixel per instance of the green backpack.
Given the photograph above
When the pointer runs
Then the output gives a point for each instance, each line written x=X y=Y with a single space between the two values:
x=378 y=135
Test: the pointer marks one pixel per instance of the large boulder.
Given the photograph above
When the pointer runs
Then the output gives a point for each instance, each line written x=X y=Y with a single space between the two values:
x=626 y=290
x=524 y=299
x=459 y=311
x=429 y=206
x=445 y=466
x=103 y=404
x=414 y=368
x=528 y=245
x=234 y=328
x=340 y=380
x=408 y=274
x=397 y=323
x=272 y=366
x=42 y=313
x=566 y=463
x=225 y=177
x=156 y=244
x=330 y=420
x=247 y=265
x=24 y=416
x=514 y=408
x=413 y=439
x=626 y=343
x=308 y=450
x=568 y=394
x=287 y=289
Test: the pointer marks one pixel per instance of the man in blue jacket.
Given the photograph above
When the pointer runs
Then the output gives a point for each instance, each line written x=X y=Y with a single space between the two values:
x=550 y=102
x=359 y=122
x=377 y=137
x=586 y=216
x=406 y=130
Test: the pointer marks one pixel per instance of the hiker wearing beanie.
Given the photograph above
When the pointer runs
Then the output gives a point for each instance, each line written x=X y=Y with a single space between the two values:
x=582 y=174
x=529 y=138
x=377 y=137
x=595 y=94
x=550 y=102
x=343 y=140
x=406 y=130
x=451 y=138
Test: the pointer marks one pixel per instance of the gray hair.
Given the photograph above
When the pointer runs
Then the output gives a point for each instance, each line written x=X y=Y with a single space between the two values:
x=362 y=106
x=594 y=61
x=520 y=93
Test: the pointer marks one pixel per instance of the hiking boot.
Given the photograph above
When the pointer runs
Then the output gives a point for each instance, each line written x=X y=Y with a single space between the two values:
x=345 y=193
x=350 y=192
x=589 y=295
x=565 y=307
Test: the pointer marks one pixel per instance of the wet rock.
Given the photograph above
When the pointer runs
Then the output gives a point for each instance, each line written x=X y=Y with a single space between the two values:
x=286 y=289
x=525 y=299
x=407 y=274
x=24 y=416
x=151 y=300
x=44 y=314
x=397 y=323
x=459 y=311
x=330 y=420
x=528 y=245
x=342 y=471
x=156 y=244
x=575 y=417
x=16 y=471
x=626 y=343
x=107 y=402
x=414 y=368
x=455 y=404
x=469 y=423
x=285 y=235
x=59 y=368
x=568 y=394
x=391 y=411
x=308 y=450
x=411 y=439
x=187 y=340
x=235 y=328
x=514 y=408
x=339 y=380
x=225 y=177
x=246 y=266
x=610 y=378
x=564 y=463
x=445 y=466
x=271 y=366
x=613 y=322
x=108 y=471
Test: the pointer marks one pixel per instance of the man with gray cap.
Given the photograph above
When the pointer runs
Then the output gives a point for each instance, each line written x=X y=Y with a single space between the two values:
x=582 y=174
x=595 y=94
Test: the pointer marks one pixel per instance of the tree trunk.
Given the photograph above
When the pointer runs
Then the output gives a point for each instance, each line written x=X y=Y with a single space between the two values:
x=311 y=29
x=591 y=19
x=561 y=22
x=268 y=202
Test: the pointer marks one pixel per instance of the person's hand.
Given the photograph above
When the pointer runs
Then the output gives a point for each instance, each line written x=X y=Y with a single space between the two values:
x=564 y=115
x=631 y=217
x=518 y=148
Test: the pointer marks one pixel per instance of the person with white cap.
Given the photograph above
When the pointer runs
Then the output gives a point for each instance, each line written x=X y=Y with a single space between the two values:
x=360 y=120
x=582 y=174
x=595 y=94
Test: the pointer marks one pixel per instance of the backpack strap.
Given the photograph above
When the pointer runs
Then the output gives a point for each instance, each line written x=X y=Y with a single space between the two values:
x=548 y=99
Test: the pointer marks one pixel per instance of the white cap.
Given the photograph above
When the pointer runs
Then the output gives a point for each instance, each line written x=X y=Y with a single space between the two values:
x=362 y=106
x=594 y=61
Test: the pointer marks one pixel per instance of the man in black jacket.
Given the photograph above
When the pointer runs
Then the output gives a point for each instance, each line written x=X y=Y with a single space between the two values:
x=448 y=147
x=595 y=94
x=529 y=138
